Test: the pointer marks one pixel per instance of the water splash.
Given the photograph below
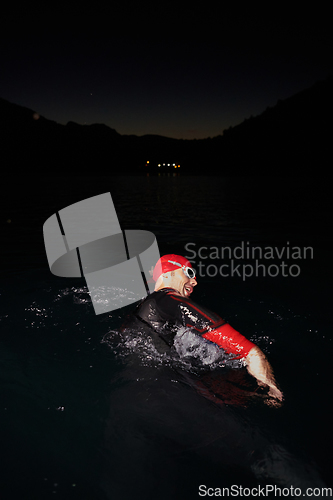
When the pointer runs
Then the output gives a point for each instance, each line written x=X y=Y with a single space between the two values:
x=189 y=352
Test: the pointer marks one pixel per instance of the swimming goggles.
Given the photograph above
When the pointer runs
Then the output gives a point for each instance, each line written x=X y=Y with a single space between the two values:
x=188 y=271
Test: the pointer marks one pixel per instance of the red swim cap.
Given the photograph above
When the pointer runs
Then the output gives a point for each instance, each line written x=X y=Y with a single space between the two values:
x=163 y=266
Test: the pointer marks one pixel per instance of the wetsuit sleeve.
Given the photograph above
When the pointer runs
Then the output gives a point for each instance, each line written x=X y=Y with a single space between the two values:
x=212 y=327
x=230 y=340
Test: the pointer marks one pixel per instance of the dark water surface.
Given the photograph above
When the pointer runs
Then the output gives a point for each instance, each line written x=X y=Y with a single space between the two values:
x=90 y=414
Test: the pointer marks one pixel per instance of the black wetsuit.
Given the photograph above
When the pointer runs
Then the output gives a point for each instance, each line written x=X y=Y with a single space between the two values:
x=166 y=311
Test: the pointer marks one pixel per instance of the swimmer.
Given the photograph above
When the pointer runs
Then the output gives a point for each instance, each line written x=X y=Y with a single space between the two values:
x=170 y=307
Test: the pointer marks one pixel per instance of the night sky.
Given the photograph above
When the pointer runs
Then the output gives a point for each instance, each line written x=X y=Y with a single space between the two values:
x=183 y=72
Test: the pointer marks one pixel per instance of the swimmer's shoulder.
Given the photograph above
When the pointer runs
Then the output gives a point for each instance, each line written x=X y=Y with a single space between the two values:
x=157 y=302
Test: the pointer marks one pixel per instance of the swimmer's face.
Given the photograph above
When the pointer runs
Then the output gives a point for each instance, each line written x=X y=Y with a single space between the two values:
x=180 y=282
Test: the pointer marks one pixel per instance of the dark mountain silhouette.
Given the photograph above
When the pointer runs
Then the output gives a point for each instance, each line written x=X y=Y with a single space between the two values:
x=293 y=135
x=287 y=138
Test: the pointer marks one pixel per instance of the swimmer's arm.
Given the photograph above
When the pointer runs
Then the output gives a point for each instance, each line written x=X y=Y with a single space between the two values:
x=231 y=341
x=259 y=367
